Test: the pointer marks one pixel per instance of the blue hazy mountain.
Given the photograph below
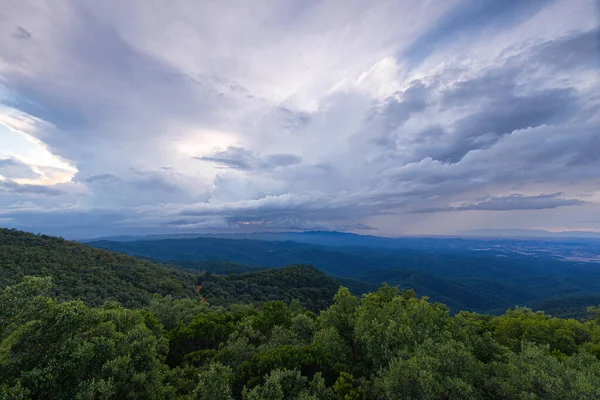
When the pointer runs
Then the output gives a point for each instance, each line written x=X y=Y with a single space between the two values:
x=466 y=273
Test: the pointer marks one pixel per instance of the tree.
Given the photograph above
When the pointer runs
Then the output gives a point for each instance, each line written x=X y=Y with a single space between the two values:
x=215 y=383
x=289 y=385
x=342 y=314
x=435 y=371
x=274 y=313
x=346 y=388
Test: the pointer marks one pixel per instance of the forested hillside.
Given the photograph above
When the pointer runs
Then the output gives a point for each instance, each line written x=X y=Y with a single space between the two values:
x=90 y=274
x=311 y=287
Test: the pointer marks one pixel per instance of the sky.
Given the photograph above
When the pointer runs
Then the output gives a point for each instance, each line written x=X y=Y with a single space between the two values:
x=385 y=117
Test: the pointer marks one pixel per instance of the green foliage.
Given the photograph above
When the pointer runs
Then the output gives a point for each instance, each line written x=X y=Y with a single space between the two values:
x=389 y=324
x=214 y=383
x=311 y=287
x=564 y=336
x=69 y=351
x=346 y=388
x=434 y=371
x=289 y=385
x=204 y=332
x=169 y=310
x=86 y=273
x=534 y=373
x=341 y=315
x=386 y=345
x=274 y=313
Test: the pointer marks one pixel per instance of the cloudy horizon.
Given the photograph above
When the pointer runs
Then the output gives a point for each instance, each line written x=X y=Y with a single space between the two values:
x=387 y=118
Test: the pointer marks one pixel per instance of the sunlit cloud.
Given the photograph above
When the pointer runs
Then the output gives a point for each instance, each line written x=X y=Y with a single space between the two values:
x=18 y=132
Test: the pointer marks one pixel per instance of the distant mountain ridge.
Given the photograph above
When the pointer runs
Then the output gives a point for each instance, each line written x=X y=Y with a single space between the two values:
x=341 y=239
x=482 y=275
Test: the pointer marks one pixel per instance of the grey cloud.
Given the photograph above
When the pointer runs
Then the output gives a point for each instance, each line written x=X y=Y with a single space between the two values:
x=578 y=50
x=469 y=17
x=332 y=209
x=497 y=104
x=515 y=201
x=26 y=189
x=546 y=154
x=155 y=181
x=141 y=187
x=101 y=178
x=242 y=159
x=282 y=160
x=510 y=112
x=14 y=169
x=233 y=157
x=72 y=223
x=21 y=33
x=505 y=114
x=498 y=110
x=292 y=120
x=394 y=112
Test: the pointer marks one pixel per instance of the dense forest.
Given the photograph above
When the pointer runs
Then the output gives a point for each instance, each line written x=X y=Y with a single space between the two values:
x=244 y=336
x=312 y=288
x=384 y=345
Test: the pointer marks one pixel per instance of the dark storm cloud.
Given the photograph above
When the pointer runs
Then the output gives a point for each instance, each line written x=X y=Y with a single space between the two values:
x=515 y=201
x=242 y=159
x=505 y=113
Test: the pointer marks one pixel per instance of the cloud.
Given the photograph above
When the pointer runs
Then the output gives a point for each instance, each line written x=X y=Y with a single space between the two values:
x=21 y=33
x=242 y=159
x=26 y=189
x=515 y=201
x=15 y=169
x=468 y=18
x=302 y=114
x=575 y=50
x=101 y=178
